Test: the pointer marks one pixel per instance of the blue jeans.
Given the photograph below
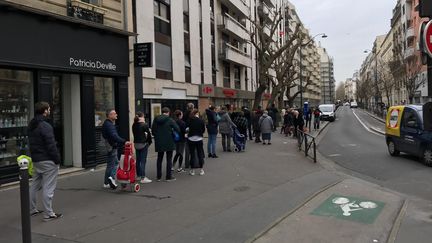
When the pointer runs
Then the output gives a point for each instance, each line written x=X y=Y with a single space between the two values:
x=211 y=145
x=112 y=164
x=141 y=157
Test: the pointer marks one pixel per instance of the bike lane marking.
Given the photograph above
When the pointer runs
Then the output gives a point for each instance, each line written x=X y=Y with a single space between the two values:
x=350 y=208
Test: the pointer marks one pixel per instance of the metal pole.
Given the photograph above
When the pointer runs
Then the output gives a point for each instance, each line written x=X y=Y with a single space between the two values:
x=306 y=147
x=25 y=203
x=314 y=150
x=301 y=82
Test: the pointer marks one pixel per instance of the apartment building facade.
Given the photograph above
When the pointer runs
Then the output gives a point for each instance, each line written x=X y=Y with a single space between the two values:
x=328 y=91
x=72 y=54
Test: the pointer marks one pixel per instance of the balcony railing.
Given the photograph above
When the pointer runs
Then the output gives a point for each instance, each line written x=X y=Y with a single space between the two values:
x=270 y=3
x=234 y=55
x=86 y=11
x=409 y=53
x=229 y=24
x=410 y=33
x=240 y=5
x=265 y=11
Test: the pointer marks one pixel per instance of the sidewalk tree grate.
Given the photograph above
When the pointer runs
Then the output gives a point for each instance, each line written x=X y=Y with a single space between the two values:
x=350 y=208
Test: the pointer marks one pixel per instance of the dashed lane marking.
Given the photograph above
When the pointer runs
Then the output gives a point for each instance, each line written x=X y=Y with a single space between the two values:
x=334 y=155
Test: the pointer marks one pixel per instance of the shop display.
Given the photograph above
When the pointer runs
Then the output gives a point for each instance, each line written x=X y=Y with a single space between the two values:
x=15 y=106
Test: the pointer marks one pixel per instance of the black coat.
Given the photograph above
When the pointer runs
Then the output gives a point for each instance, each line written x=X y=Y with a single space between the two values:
x=162 y=129
x=196 y=127
x=141 y=133
x=182 y=126
x=109 y=132
x=42 y=141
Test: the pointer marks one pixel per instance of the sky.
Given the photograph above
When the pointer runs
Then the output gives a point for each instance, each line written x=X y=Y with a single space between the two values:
x=351 y=27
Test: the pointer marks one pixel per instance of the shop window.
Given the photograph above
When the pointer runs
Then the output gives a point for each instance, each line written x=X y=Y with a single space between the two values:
x=15 y=113
x=104 y=98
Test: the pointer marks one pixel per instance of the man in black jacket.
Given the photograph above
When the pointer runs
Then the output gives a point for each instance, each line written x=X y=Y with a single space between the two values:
x=248 y=116
x=46 y=160
x=113 y=142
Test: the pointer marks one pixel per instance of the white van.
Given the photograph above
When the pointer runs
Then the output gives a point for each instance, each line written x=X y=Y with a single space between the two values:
x=328 y=112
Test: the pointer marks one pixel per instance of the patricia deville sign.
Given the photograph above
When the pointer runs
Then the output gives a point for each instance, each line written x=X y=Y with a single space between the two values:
x=82 y=63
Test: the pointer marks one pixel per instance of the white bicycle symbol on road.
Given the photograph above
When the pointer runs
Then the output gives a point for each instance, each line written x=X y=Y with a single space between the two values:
x=348 y=207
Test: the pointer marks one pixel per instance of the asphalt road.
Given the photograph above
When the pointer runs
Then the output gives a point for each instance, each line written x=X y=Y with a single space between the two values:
x=355 y=147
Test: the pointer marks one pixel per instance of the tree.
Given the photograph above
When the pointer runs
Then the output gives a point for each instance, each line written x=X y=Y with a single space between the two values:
x=414 y=79
x=386 y=81
x=364 y=91
x=340 y=91
x=268 y=50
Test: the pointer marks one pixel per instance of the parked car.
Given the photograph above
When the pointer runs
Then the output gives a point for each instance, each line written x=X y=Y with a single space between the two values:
x=328 y=112
x=353 y=104
x=408 y=132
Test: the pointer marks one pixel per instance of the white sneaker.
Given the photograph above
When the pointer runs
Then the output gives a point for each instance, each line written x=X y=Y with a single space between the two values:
x=112 y=183
x=192 y=172
x=179 y=170
x=106 y=186
x=145 y=180
x=202 y=172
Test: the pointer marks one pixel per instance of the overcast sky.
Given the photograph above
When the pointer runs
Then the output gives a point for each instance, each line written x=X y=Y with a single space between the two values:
x=351 y=26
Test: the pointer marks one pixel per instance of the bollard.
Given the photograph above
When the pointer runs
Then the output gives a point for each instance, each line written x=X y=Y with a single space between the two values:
x=25 y=200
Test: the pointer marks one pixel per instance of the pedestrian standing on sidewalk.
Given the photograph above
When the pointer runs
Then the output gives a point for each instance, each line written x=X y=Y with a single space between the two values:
x=186 y=117
x=248 y=116
x=298 y=122
x=46 y=160
x=241 y=123
x=196 y=131
x=162 y=129
x=225 y=128
x=257 y=115
x=180 y=145
x=274 y=114
x=212 y=130
x=266 y=127
x=317 y=116
x=142 y=141
x=112 y=141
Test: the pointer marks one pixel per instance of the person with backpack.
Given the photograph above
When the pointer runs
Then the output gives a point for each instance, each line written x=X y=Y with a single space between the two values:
x=181 y=143
x=163 y=128
x=142 y=141
x=266 y=127
x=317 y=115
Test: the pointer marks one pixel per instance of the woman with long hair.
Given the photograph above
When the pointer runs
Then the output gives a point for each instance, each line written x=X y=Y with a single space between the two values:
x=196 y=131
x=142 y=140
x=180 y=145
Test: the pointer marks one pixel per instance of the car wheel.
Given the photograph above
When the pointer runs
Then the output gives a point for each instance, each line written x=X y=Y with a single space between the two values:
x=427 y=156
x=392 y=148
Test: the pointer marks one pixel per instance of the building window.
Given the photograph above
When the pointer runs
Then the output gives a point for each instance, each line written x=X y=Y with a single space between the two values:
x=163 y=61
x=104 y=98
x=161 y=12
x=94 y=2
x=237 y=82
x=226 y=74
x=246 y=80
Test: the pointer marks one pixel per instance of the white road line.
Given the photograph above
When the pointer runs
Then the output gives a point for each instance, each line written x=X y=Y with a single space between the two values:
x=367 y=128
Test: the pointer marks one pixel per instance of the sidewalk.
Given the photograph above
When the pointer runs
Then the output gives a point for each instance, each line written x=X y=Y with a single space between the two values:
x=268 y=194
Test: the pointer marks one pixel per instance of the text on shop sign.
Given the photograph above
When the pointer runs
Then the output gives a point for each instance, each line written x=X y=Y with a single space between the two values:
x=83 y=63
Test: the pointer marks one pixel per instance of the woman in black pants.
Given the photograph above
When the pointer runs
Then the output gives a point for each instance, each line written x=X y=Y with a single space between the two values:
x=180 y=145
x=196 y=130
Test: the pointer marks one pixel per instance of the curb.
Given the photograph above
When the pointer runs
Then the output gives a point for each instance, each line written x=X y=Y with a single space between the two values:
x=277 y=221
x=373 y=116
x=397 y=223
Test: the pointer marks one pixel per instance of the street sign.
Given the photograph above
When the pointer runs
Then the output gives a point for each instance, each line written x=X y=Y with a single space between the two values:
x=350 y=208
x=427 y=38
x=143 y=54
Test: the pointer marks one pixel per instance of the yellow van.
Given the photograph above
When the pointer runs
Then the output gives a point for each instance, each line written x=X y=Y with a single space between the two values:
x=408 y=130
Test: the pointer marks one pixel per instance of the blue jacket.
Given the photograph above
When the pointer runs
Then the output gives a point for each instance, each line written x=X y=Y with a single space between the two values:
x=109 y=132
x=42 y=141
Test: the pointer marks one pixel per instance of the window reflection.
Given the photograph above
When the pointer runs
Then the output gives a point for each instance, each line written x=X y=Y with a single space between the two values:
x=104 y=98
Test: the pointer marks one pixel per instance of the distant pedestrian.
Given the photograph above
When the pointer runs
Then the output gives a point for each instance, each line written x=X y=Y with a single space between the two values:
x=142 y=141
x=274 y=113
x=212 y=130
x=308 y=117
x=162 y=129
x=225 y=128
x=298 y=122
x=242 y=124
x=180 y=145
x=196 y=130
x=266 y=127
x=255 y=122
x=46 y=160
x=248 y=116
x=112 y=141
x=288 y=122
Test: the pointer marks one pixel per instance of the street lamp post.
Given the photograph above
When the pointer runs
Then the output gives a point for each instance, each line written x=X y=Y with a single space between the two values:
x=323 y=35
